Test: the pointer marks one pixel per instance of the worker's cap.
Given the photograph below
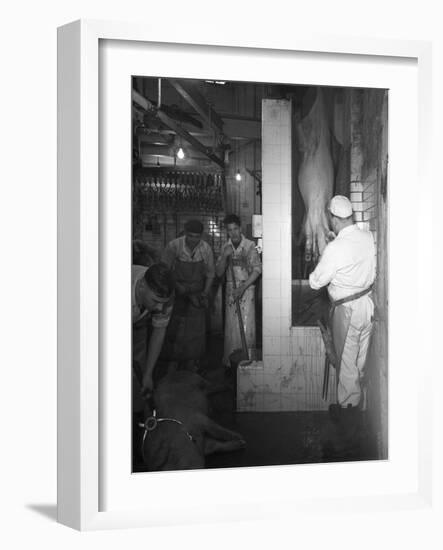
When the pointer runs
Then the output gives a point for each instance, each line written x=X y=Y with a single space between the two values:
x=340 y=206
x=194 y=226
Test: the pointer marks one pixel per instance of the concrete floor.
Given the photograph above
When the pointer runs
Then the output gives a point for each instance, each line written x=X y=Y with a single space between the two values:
x=278 y=438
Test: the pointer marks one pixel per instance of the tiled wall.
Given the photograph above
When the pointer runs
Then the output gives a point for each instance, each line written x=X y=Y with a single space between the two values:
x=363 y=186
x=290 y=376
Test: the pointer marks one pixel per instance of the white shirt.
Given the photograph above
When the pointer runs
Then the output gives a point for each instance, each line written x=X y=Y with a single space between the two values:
x=245 y=259
x=347 y=264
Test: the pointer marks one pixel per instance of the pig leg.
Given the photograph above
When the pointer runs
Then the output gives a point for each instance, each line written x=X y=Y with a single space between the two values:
x=213 y=446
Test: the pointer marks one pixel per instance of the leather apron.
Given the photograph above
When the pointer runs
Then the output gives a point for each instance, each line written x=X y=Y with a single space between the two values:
x=186 y=333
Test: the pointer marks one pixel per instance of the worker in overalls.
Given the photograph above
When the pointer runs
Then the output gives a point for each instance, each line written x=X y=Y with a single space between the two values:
x=347 y=266
x=192 y=263
x=239 y=259
x=152 y=302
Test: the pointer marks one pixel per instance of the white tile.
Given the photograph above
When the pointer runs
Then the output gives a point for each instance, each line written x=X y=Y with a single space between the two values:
x=356 y=197
x=271 y=195
x=285 y=346
x=271 y=155
x=271 y=112
x=285 y=307
x=271 y=134
x=284 y=211
x=271 y=326
x=271 y=270
x=271 y=345
x=271 y=212
x=272 y=288
x=271 y=250
x=288 y=364
x=273 y=365
x=271 y=230
x=356 y=186
x=271 y=175
x=285 y=327
x=286 y=173
x=271 y=307
x=271 y=402
x=286 y=288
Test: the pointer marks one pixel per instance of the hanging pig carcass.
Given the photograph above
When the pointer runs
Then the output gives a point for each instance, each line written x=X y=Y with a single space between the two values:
x=315 y=174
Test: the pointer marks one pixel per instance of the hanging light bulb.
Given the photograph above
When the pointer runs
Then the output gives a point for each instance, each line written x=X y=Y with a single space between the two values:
x=180 y=153
x=238 y=175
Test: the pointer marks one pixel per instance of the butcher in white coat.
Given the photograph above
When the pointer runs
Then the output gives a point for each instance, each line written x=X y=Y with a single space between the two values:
x=347 y=267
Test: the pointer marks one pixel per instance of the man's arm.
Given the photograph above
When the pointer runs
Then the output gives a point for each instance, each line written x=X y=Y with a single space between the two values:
x=154 y=348
x=254 y=263
x=210 y=271
x=168 y=255
x=222 y=262
x=325 y=270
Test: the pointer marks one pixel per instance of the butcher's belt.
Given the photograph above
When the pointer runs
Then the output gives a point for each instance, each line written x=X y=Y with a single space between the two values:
x=350 y=298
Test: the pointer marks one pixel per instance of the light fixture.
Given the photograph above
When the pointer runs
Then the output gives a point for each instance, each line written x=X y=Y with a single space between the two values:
x=238 y=176
x=180 y=153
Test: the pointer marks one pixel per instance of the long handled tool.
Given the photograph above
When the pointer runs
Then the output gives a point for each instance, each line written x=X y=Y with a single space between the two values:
x=330 y=357
x=239 y=315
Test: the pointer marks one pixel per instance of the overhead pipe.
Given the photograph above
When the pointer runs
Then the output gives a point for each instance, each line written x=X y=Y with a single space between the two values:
x=159 y=97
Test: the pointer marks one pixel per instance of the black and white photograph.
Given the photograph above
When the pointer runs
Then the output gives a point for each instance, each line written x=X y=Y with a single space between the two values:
x=259 y=274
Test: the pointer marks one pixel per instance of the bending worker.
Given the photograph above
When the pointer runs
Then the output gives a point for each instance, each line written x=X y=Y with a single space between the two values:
x=192 y=264
x=239 y=258
x=152 y=301
x=347 y=266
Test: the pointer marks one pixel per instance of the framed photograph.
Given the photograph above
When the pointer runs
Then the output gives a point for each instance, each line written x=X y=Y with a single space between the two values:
x=233 y=340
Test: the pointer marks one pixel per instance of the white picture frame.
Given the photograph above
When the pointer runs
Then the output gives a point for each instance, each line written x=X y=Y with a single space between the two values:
x=80 y=295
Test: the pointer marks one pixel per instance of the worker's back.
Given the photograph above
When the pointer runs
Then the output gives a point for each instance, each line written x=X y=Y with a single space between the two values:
x=353 y=253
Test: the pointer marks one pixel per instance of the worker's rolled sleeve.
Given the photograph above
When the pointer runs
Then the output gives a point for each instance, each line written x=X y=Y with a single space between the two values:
x=254 y=260
x=161 y=320
x=169 y=255
x=325 y=270
x=209 y=261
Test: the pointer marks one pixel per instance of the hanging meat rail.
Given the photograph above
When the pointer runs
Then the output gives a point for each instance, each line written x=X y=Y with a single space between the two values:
x=179 y=191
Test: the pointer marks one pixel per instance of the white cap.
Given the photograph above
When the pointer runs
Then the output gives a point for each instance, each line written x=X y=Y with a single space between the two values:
x=340 y=206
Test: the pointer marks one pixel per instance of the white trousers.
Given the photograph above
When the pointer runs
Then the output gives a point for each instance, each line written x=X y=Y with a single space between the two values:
x=359 y=315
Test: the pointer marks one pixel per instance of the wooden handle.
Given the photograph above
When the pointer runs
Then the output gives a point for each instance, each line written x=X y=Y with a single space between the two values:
x=239 y=315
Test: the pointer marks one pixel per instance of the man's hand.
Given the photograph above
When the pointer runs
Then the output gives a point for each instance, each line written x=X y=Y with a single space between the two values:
x=227 y=252
x=204 y=300
x=238 y=292
x=194 y=299
x=180 y=289
x=147 y=386
x=330 y=236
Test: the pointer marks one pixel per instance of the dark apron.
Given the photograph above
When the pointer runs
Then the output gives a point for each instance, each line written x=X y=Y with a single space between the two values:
x=186 y=332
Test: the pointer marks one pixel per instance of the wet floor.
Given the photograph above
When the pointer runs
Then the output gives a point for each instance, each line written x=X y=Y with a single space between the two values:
x=279 y=438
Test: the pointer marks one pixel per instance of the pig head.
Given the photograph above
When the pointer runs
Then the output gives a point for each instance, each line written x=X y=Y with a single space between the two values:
x=315 y=174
